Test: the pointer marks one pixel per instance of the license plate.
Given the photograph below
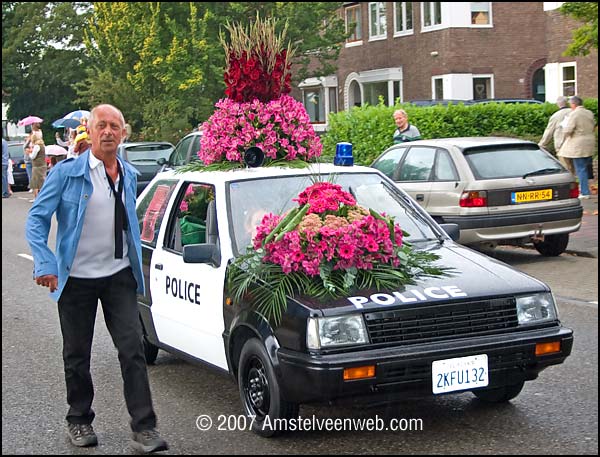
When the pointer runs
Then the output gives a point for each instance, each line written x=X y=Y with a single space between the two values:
x=462 y=373
x=531 y=196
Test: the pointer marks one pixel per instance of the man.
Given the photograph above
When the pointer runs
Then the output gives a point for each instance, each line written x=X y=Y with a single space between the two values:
x=554 y=130
x=579 y=142
x=5 y=192
x=405 y=131
x=98 y=257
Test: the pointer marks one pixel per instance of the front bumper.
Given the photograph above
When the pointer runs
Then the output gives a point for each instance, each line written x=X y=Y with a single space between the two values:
x=309 y=378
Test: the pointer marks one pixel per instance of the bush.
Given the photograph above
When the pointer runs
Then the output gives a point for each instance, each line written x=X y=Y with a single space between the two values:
x=370 y=128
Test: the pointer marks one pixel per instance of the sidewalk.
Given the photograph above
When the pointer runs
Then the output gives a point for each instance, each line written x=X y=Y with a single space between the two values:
x=584 y=242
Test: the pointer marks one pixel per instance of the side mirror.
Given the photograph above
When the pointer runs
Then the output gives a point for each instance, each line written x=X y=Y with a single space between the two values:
x=452 y=230
x=202 y=253
x=162 y=161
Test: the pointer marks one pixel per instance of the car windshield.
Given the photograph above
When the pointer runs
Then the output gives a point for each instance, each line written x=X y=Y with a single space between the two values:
x=511 y=161
x=250 y=200
x=148 y=152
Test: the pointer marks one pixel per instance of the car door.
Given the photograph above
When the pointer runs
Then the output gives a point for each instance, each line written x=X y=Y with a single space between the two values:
x=446 y=187
x=187 y=307
x=414 y=173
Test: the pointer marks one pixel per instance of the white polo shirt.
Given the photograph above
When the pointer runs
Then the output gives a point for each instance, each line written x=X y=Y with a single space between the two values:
x=95 y=255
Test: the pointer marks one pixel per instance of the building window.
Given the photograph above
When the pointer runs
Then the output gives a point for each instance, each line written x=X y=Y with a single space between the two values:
x=438 y=88
x=568 y=76
x=377 y=20
x=372 y=92
x=480 y=13
x=353 y=22
x=432 y=14
x=403 y=21
x=482 y=87
x=314 y=104
x=332 y=99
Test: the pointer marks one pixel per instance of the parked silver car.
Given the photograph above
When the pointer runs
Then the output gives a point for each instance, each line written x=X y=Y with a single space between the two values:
x=498 y=190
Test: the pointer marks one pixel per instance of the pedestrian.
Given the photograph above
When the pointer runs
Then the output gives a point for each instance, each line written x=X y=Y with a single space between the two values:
x=554 y=131
x=129 y=131
x=27 y=159
x=405 y=131
x=579 y=142
x=10 y=176
x=39 y=168
x=98 y=257
x=5 y=157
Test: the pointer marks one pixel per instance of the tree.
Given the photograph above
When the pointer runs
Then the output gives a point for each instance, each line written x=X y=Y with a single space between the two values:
x=585 y=38
x=42 y=57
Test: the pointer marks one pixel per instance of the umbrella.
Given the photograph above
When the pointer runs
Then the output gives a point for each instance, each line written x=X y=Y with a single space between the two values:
x=55 y=150
x=70 y=123
x=29 y=120
x=71 y=120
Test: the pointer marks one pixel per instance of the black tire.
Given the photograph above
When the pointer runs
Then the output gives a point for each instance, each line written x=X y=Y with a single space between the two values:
x=553 y=245
x=499 y=395
x=150 y=351
x=259 y=391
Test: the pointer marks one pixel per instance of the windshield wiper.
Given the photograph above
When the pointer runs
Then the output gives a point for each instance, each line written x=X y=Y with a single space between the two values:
x=542 y=171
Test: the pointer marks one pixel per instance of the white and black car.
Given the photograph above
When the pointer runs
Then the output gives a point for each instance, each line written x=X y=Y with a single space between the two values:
x=485 y=327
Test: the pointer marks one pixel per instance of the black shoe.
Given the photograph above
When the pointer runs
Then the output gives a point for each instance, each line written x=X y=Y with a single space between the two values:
x=149 y=441
x=82 y=435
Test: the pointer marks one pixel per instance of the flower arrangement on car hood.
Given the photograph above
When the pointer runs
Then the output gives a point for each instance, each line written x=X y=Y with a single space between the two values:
x=258 y=113
x=326 y=247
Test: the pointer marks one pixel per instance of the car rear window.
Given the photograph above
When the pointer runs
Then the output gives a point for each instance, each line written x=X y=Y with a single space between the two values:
x=510 y=161
x=150 y=152
x=15 y=151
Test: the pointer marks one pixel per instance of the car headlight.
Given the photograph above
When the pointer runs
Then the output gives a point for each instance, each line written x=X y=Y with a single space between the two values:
x=537 y=308
x=324 y=332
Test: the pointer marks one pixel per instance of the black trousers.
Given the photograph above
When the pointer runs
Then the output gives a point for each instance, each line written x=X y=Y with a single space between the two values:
x=77 y=311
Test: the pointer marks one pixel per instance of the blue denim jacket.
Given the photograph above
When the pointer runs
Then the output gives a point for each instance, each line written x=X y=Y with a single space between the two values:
x=66 y=192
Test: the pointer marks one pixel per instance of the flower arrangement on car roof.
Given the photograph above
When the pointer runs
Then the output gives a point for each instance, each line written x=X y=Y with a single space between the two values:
x=326 y=247
x=257 y=112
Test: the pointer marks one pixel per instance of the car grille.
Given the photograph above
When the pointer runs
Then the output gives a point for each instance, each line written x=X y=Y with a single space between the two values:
x=437 y=322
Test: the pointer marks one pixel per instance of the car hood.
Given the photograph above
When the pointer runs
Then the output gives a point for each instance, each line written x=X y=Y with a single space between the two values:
x=470 y=276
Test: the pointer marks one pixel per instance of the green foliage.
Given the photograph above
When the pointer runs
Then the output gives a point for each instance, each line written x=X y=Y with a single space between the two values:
x=585 y=38
x=370 y=128
x=41 y=58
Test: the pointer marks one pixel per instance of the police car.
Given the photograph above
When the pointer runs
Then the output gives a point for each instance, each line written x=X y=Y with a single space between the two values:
x=484 y=327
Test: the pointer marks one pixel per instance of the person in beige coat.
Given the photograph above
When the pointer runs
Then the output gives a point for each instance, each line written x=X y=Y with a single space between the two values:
x=579 y=142
x=554 y=131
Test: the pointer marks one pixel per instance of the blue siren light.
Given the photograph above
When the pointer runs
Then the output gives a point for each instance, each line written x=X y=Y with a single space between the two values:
x=343 y=155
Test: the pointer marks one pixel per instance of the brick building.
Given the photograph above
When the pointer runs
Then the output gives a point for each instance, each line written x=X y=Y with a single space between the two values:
x=458 y=51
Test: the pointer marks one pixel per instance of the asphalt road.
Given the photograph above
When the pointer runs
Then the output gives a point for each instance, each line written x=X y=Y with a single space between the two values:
x=556 y=414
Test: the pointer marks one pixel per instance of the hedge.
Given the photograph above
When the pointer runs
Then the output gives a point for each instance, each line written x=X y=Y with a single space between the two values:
x=370 y=128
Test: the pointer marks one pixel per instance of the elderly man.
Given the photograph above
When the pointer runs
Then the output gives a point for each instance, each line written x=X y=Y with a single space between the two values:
x=98 y=257
x=579 y=142
x=405 y=131
x=554 y=130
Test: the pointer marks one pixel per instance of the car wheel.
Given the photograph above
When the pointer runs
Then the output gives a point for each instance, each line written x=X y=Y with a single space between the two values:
x=260 y=392
x=150 y=351
x=499 y=395
x=553 y=245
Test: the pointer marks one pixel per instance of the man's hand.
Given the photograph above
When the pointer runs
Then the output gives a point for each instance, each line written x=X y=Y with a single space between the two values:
x=50 y=281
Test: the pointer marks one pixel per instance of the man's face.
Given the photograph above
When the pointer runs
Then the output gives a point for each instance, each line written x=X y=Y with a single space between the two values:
x=106 y=131
x=400 y=119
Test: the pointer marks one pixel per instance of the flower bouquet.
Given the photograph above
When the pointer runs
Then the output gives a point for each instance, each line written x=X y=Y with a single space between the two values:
x=257 y=112
x=327 y=247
